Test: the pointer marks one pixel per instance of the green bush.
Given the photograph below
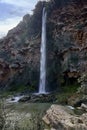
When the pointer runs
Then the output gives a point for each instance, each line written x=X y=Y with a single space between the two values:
x=66 y=93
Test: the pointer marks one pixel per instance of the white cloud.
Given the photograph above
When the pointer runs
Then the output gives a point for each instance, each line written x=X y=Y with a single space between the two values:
x=20 y=3
x=24 y=6
x=8 y=24
x=20 y=7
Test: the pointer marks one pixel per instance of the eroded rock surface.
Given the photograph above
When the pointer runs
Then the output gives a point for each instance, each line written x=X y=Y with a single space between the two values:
x=59 y=118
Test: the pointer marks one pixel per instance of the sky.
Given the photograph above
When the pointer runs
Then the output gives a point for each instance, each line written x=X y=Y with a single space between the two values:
x=12 y=12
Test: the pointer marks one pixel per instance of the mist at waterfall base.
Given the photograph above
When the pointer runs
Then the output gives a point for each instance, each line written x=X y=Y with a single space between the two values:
x=42 y=82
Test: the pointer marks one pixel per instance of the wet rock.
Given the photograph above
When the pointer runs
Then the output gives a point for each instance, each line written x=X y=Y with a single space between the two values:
x=12 y=99
x=38 y=98
x=25 y=99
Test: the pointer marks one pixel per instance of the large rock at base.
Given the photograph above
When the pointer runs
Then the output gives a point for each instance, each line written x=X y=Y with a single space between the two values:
x=59 y=118
x=77 y=99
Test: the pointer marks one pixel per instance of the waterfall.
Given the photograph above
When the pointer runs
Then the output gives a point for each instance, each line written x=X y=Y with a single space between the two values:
x=42 y=83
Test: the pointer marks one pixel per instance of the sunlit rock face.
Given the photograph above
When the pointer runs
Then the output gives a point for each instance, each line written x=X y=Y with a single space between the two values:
x=62 y=118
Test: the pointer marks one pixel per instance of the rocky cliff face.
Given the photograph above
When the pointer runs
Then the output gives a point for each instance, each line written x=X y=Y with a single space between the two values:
x=19 y=56
x=69 y=25
x=66 y=46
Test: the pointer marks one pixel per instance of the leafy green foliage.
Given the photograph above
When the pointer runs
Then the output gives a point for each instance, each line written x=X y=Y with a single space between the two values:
x=18 y=89
x=67 y=92
x=70 y=88
x=25 y=81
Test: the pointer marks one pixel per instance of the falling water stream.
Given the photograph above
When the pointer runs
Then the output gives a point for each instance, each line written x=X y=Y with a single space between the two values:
x=42 y=83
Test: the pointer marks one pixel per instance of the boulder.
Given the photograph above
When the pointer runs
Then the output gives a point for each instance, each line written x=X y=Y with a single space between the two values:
x=25 y=99
x=59 y=118
x=38 y=98
x=77 y=99
x=84 y=106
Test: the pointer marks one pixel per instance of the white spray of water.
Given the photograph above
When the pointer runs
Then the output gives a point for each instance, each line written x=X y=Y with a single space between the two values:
x=42 y=84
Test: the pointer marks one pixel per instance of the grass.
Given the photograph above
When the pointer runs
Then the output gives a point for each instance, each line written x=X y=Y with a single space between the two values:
x=67 y=92
x=6 y=94
x=78 y=112
x=70 y=88
x=24 y=116
x=16 y=90
x=62 y=98
x=22 y=88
